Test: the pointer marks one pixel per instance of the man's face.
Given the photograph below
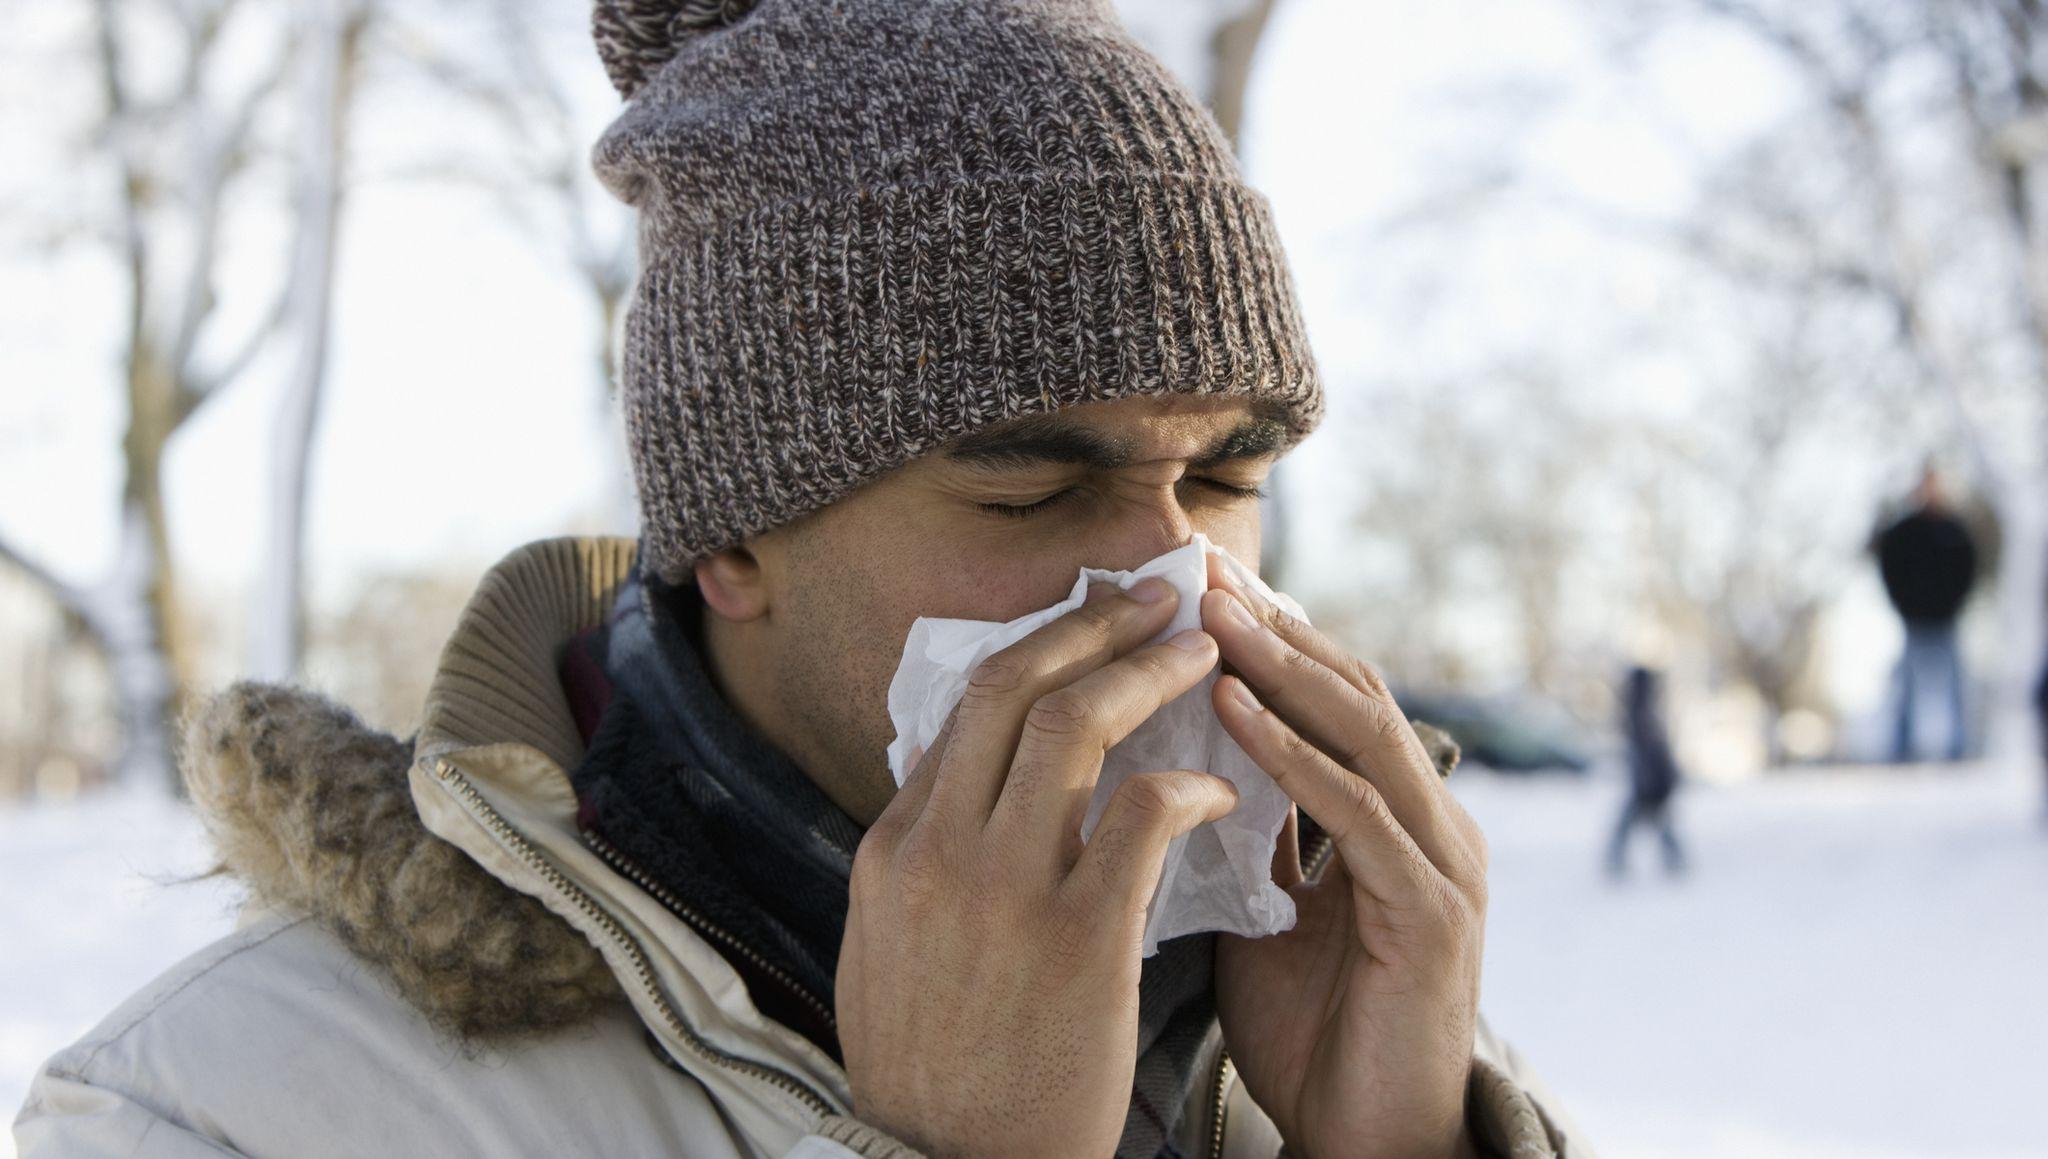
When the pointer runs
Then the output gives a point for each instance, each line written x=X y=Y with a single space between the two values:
x=991 y=527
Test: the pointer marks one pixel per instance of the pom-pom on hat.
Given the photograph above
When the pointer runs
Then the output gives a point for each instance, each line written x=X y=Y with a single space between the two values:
x=636 y=37
x=868 y=227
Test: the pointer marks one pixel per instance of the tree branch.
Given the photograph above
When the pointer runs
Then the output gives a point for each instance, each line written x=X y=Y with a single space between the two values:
x=134 y=244
x=195 y=388
x=216 y=162
x=70 y=598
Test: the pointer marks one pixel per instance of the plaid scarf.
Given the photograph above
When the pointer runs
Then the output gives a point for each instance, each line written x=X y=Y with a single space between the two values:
x=676 y=790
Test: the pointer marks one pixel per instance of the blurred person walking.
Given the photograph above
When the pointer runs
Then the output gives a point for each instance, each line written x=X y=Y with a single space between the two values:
x=1652 y=774
x=1928 y=560
x=2041 y=715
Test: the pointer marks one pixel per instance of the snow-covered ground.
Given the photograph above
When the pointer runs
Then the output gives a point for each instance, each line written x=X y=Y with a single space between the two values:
x=1858 y=965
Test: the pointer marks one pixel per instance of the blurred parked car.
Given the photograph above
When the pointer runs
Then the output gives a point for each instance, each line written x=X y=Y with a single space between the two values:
x=1510 y=733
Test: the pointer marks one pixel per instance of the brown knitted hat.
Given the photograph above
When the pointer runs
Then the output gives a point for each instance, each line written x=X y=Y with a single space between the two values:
x=870 y=226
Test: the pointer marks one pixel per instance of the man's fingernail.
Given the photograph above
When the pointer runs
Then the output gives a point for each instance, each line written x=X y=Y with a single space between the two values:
x=1151 y=591
x=1192 y=640
x=1243 y=615
x=1244 y=696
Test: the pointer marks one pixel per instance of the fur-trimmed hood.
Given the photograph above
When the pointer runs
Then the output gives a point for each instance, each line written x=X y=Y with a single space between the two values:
x=311 y=809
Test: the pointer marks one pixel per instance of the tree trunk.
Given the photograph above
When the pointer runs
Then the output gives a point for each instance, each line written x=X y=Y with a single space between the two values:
x=128 y=616
x=135 y=611
x=328 y=41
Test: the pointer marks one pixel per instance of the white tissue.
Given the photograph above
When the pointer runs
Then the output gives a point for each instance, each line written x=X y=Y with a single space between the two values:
x=1218 y=876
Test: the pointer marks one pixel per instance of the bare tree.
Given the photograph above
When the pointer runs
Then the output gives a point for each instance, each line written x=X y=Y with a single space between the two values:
x=1910 y=180
x=1477 y=498
x=1742 y=502
x=175 y=149
x=330 y=40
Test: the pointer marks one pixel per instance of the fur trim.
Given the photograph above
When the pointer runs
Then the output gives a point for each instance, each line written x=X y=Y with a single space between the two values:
x=311 y=808
x=1441 y=747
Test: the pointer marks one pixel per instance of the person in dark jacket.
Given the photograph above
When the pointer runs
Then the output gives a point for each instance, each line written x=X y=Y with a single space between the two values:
x=1652 y=773
x=1929 y=563
x=2041 y=713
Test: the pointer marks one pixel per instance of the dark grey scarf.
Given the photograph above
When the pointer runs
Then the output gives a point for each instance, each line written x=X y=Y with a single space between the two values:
x=678 y=791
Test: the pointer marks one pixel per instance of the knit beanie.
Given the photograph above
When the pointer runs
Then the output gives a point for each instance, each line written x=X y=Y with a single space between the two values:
x=868 y=227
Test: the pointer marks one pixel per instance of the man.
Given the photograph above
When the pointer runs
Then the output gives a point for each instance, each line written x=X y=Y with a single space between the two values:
x=940 y=301
x=1929 y=564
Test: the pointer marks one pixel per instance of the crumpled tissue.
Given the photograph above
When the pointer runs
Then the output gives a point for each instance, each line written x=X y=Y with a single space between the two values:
x=1219 y=875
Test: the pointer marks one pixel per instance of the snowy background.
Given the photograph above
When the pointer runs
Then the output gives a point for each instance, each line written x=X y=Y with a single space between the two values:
x=1854 y=968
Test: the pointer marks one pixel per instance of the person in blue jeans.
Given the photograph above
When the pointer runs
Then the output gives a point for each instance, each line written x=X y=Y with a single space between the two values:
x=1928 y=560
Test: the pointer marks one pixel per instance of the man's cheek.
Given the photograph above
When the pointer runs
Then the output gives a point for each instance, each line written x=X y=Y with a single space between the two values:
x=971 y=585
x=1237 y=532
x=1004 y=594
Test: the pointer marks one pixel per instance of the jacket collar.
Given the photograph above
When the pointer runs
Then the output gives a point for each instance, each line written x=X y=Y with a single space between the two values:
x=495 y=682
x=490 y=775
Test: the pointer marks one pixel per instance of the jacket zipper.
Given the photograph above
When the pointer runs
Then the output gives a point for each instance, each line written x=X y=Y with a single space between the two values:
x=534 y=860
x=1318 y=852
x=1222 y=1090
x=626 y=867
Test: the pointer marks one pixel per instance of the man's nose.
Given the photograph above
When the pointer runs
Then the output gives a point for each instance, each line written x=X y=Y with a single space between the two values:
x=1144 y=529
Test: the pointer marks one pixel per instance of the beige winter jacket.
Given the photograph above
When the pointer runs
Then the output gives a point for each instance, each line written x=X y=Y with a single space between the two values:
x=433 y=963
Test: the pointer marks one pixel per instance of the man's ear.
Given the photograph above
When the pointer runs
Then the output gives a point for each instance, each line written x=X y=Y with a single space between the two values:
x=734 y=584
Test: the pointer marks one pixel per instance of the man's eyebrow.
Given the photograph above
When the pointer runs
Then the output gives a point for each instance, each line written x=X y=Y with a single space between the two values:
x=1250 y=439
x=1040 y=439
x=1036 y=441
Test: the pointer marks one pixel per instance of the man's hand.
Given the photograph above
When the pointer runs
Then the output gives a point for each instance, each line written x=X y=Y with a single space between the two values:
x=1354 y=1029
x=988 y=984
